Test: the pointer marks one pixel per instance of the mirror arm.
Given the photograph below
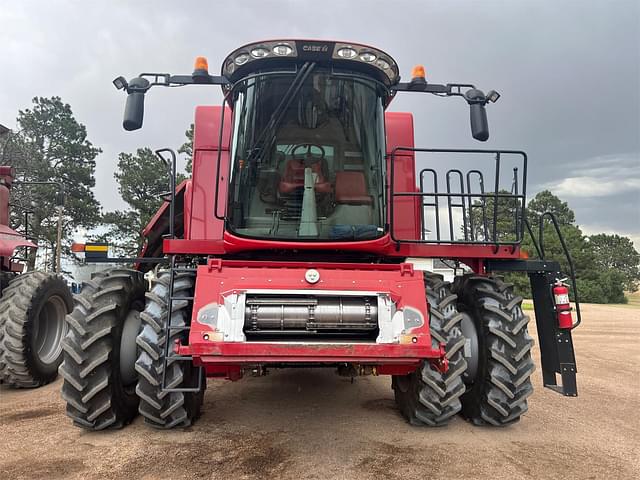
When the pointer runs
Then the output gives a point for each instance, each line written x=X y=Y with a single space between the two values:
x=450 y=89
x=168 y=80
x=198 y=80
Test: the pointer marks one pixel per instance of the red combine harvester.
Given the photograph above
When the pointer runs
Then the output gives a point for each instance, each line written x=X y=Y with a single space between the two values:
x=33 y=307
x=304 y=239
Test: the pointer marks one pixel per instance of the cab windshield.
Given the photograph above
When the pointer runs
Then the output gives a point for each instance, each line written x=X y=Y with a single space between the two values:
x=307 y=157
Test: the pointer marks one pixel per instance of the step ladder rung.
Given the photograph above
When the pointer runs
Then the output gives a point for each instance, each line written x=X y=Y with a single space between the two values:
x=179 y=328
x=168 y=356
x=180 y=358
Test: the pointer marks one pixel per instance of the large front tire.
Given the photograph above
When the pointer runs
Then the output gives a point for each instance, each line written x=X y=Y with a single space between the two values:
x=32 y=325
x=497 y=329
x=428 y=396
x=99 y=350
x=161 y=409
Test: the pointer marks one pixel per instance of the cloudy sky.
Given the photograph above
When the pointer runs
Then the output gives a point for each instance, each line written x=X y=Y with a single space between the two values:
x=568 y=72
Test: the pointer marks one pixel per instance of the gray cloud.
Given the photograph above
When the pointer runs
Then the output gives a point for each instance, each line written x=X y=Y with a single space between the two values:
x=569 y=73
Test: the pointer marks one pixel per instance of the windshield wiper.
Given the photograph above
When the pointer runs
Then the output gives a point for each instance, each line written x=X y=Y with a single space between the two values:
x=267 y=133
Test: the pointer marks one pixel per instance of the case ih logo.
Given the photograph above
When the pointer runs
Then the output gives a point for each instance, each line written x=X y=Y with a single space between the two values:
x=315 y=48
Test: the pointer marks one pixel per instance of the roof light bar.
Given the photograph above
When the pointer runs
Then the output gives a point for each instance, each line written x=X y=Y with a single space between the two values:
x=312 y=50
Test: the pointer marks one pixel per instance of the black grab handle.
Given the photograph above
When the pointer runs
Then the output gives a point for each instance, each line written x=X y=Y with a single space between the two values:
x=572 y=272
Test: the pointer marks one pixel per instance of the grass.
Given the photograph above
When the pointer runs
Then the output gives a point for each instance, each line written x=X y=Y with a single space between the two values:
x=633 y=301
x=527 y=305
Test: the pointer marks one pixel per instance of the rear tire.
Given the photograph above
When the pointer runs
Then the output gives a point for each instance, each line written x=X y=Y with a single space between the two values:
x=428 y=396
x=32 y=326
x=165 y=410
x=497 y=393
x=98 y=387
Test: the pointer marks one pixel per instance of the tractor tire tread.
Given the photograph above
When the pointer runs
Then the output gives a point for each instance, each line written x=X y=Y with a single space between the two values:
x=89 y=364
x=16 y=308
x=432 y=397
x=500 y=398
x=159 y=408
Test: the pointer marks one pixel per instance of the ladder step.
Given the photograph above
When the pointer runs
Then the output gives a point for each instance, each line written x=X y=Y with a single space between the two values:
x=181 y=298
x=180 y=358
x=179 y=329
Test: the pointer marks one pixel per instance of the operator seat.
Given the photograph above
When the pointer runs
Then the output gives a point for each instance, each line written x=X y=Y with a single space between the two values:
x=293 y=177
x=351 y=188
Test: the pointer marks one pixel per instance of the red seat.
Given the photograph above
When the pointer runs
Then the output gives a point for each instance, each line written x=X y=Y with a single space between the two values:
x=351 y=188
x=293 y=177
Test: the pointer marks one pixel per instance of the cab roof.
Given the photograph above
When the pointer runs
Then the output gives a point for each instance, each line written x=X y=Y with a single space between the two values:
x=282 y=53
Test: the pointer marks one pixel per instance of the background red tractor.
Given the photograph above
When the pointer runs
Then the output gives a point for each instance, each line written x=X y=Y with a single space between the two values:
x=33 y=307
x=301 y=241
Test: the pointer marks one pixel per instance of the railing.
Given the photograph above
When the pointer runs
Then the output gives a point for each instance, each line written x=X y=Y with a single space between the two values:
x=457 y=207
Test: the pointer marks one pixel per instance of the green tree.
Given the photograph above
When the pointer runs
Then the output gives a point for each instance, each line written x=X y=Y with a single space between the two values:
x=545 y=201
x=507 y=215
x=617 y=253
x=187 y=148
x=52 y=146
x=601 y=276
x=142 y=180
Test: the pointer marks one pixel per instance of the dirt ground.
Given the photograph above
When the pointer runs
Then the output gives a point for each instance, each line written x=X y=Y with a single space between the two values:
x=314 y=424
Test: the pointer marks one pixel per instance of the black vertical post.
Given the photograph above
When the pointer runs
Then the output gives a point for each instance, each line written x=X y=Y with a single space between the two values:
x=495 y=199
x=556 y=346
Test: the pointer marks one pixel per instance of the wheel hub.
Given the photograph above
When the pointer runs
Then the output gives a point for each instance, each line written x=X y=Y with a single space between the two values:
x=128 y=350
x=49 y=329
x=471 y=348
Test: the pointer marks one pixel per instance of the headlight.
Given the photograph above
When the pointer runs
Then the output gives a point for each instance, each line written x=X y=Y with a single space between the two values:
x=241 y=59
x=282 y=49
x=383 y=64
x=367 y=57
x=347 y=52
x=259 y=52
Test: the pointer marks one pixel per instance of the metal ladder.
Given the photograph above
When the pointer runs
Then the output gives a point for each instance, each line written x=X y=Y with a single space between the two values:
x=169 y=355
x=173 y=269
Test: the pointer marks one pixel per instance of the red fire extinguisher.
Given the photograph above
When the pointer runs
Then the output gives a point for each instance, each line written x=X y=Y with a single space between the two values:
x=563 y=306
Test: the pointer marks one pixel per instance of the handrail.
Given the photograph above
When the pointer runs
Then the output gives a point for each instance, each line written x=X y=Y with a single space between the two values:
x=572 y=272
x=431 y=199
x=171 y=166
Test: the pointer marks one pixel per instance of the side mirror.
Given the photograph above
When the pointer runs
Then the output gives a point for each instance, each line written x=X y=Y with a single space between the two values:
x=478 y=114
x=134 y=108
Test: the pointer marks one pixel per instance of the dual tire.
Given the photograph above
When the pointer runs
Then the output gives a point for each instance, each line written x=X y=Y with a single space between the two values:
x=112 y=367
x=481 y=323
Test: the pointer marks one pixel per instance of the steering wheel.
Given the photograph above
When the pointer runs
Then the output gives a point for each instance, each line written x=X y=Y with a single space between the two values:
x=309 y=156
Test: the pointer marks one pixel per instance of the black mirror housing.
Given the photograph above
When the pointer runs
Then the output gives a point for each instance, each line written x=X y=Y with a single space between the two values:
x=134 y=108
x=478 y=114
x=479 y=123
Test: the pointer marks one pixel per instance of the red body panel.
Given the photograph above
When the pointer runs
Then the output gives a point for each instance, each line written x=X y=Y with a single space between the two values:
x=9 y=241
x=200 y=219
x=406 y=222
x=9 y=238
x=221 y=278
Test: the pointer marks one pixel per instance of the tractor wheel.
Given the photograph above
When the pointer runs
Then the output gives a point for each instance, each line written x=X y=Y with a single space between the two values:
x=32 y=325
x=428 y=396
x=100 y=350
x=498 y=349
x=159 y=408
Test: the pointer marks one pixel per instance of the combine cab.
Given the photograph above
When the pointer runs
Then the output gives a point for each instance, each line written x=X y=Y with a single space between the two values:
x=304 y=238
x=33 y=307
